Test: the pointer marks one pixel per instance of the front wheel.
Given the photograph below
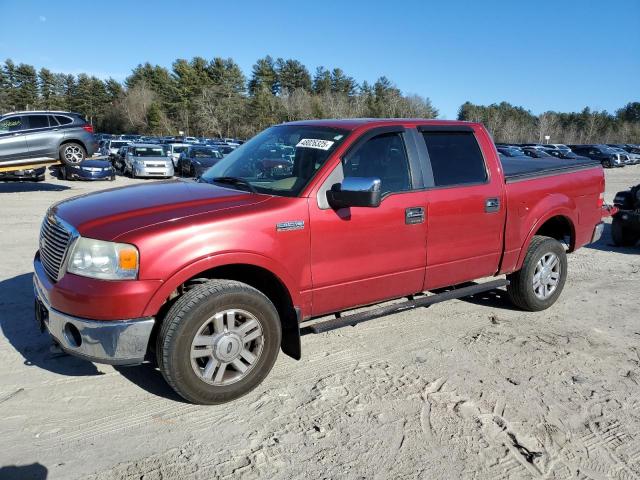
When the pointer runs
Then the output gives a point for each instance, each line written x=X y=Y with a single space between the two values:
x=538 y=284
x=218 y=342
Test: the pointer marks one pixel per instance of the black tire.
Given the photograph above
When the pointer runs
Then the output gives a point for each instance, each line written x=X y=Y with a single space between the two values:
x=183 y=322
x=607 y=164
x=78 y=151
x=621 y=236
x=520 y=289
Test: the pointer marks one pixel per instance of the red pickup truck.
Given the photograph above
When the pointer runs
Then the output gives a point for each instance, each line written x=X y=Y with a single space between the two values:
x=212 y=277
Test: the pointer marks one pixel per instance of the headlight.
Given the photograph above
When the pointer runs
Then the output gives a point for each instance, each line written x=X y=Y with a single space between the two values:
x=104 y=260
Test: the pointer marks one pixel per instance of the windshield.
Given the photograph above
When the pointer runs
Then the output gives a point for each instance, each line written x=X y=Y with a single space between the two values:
x=206 y=153
x=148 y=152
x=281 y=160
x=179 y=149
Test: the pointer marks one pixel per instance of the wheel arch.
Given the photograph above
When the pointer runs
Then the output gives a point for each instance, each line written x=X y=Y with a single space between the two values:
x=558 y=223
x=255 y=271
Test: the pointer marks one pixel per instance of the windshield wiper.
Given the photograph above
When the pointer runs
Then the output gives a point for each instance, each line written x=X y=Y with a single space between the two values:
x=235 y=181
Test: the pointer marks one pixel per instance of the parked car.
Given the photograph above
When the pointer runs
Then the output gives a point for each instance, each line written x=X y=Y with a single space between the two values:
x=566 y=154
x=35 y=174
x=631 y=158
x=625 y=229
x=196 y=160
x=535 y=152
x=34 y=136
x=174 y=150
x=602 y=153
x=215 y=277
x=111 y=147
x=89 y=170
x=147 y=160
x=511 y=151
x=225 y=149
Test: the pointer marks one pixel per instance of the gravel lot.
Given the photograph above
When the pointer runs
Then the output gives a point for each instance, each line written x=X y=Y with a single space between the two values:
x=465 y=389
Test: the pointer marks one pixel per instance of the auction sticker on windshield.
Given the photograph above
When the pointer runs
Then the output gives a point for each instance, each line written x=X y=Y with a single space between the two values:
x=315 y=143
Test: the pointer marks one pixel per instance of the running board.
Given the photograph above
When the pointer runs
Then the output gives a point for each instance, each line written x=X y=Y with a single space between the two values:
x=356 y=318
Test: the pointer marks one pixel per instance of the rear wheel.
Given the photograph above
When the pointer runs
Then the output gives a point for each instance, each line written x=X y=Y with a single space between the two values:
x=538 y=284
x=218 y=341
x=72 y=153
x=621 y=235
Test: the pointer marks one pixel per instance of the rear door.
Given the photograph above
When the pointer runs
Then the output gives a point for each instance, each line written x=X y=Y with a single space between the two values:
x=13 y=143
x=465 y=205
x=365 y=255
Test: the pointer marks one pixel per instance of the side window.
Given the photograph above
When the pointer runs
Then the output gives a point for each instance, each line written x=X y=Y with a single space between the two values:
x=455 y=158
x=38 y=121
x=384 y=157
x=63 y=120
x=11 y=124
x=52 y=121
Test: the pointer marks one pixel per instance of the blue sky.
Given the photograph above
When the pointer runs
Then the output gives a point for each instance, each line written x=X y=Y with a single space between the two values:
x=561 y=55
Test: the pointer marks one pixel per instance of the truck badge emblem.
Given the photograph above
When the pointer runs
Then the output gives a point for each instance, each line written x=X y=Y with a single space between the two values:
x=288 y=226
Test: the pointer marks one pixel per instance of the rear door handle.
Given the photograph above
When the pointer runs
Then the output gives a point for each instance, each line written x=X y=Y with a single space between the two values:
x=413 y=215
x=492 y=205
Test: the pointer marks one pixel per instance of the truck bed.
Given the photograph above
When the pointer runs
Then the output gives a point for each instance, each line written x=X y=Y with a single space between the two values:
x=516 y=169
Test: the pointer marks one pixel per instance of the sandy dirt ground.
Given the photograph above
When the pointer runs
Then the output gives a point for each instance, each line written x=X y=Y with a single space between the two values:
x=469 y=389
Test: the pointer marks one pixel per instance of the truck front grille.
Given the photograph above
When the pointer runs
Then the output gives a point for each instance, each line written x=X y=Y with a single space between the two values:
x=54 y=241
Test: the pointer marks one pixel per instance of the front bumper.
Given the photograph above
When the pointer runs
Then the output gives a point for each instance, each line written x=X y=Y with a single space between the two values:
x=80 y=174
x=116 y=342
x=153 y=171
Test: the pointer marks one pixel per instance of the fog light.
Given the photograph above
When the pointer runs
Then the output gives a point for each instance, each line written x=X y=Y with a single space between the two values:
x=72 y=335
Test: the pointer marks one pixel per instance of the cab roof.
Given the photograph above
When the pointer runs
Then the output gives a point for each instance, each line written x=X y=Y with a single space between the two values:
x=354 y=123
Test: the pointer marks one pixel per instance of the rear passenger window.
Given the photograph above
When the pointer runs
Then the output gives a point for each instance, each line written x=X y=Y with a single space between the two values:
x=63 y=120
x=383 y=157
x=38 y=121
x=52 y=121
x=455 y=158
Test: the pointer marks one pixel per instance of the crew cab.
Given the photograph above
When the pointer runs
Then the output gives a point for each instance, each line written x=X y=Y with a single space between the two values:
x=212 y=278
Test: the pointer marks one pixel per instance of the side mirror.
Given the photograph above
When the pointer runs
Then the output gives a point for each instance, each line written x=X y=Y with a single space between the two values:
x=355 y=192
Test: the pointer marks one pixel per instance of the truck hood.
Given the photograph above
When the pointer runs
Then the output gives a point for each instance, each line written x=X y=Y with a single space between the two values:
x=109 y=214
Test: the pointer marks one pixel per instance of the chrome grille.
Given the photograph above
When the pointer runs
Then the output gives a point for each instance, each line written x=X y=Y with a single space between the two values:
x=54 y=240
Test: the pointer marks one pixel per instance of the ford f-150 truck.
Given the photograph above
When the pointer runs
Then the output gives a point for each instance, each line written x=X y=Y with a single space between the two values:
x=212 y=278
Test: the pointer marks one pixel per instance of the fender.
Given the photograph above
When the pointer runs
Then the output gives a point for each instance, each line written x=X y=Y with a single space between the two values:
x=228 y=258
x=553 y=205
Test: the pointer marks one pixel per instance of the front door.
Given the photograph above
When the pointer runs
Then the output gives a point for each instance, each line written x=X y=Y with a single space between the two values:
x=364 y=255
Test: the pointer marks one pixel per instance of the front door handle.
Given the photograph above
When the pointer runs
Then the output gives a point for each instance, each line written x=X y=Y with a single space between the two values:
x=413 y=215
x=492 y=205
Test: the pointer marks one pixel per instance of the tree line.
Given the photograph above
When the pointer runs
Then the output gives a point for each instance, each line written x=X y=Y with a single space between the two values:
x=214 y=98
x=510 y=124
x=210 y=98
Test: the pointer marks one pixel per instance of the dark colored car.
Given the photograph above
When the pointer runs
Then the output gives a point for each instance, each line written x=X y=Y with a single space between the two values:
x=625 y=229
x=602 y=153
x=35 y=174
x=510 y=151
x=536 y=152
x=196 y=160
x=565 y=154
x=40 y=136
x=89 y=170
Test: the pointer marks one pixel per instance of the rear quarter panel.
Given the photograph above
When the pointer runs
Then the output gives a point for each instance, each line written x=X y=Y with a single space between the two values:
x=531 y=202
